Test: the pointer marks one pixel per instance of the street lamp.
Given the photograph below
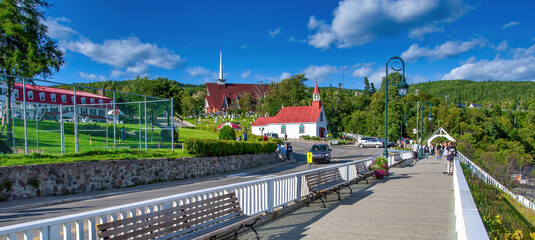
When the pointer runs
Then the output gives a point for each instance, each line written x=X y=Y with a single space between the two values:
x=403 y=121
x=403 y=88
x=424 y=106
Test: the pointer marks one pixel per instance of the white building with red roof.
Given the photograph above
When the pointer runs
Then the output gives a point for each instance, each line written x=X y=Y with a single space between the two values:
x=295 y=121
x=222 y=96
x=45 y=102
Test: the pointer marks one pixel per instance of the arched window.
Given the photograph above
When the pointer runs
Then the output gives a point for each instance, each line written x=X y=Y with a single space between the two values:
x=16 y=93
x=301 y=128
x=321 y=117
x=283 y=129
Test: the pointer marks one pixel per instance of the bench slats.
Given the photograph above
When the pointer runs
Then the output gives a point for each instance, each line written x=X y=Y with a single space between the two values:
x=201 y=218
x=321 y=182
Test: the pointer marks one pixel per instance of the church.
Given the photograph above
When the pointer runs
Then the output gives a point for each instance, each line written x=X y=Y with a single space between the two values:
x=295 y=121
x=222 y=96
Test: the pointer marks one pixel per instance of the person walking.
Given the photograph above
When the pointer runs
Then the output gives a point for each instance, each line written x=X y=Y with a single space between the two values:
x=445 y=155
x=452 y=153
x=439 y=151
x=415 y=148
x=426 y=151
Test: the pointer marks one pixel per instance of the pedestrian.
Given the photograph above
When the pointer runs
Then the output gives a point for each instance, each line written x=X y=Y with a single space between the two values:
x=123 y=134
x=289 y=150
x=406 y=143
x=426 y=151
x=432 y=149
x=415 y=148
x=452 y=153
x=244 y=136
x=265 y=138
x=445 y=155
x=439 y=151
x=285 y=136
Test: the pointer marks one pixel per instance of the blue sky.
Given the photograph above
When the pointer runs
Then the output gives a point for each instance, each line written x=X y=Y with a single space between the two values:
x=330 y=41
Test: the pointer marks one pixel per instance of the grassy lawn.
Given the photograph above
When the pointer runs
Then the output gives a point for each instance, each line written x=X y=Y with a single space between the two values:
x=94 y=155
x=92 y=136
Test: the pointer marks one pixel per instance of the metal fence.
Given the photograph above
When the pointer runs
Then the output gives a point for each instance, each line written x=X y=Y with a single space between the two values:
x=476 y=170
x=76 y=118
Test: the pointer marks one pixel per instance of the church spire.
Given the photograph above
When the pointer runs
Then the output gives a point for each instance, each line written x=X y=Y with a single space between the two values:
x=221 y=80
x=316 y=100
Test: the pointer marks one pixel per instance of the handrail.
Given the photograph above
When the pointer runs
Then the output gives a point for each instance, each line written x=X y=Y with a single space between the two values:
x=487 y=178
x=257 y=196
x=468 y=223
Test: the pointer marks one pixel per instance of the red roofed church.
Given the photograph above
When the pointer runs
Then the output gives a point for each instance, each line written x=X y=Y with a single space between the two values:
x=295 y=121
x=222 y=96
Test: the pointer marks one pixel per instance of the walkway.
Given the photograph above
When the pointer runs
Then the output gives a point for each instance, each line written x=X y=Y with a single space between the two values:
x=415 y=202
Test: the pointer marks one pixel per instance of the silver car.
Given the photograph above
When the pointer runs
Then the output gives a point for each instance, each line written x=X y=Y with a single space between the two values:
x=370 y=142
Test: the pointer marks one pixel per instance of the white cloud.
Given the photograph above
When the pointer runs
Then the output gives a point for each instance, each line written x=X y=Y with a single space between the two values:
x=511 y=24
x=206 y=74
x=420 y=32
x=57 y=30
x=520 y=67
x=285 y=75
x=292 y=39
x=265 y=79
x=245 y=74
x=363 y=69
x=357 y=22
x=447 y=49
x=91 y=76
x=502 y=46
x=274 y=33
x=129 y=54
x=321 y=73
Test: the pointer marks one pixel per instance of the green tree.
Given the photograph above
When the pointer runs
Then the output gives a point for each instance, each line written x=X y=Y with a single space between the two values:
x=288 y=92
x=367 y=88
x=226 y=133
x=25 y=49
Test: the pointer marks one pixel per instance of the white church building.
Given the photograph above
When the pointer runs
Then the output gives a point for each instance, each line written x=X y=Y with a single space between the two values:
x=295 y=121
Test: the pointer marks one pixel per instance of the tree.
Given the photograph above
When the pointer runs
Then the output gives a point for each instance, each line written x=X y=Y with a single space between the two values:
x=373 y=90
x=367 y=89
x=25 y=48
x=227 y=133
x=288 y=92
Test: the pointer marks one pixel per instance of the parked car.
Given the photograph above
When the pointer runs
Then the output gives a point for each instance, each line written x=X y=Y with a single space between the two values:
x=389 y=143
x=321 y=153
x=370 y=142
x=272 y=135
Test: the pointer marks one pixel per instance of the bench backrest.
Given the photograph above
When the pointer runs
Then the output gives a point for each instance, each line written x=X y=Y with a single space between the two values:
x=193 y=216
x=318 y=179
x=361 y=168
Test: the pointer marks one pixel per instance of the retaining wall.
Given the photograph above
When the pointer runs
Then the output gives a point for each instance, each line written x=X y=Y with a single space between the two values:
x=69 y=178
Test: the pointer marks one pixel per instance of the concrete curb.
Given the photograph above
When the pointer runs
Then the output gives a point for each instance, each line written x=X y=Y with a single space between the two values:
x=118 y=191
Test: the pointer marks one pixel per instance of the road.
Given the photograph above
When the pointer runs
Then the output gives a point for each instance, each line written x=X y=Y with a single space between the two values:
x=129 y=195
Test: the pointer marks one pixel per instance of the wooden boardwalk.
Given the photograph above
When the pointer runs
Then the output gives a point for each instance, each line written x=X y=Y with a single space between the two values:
x=415 y=202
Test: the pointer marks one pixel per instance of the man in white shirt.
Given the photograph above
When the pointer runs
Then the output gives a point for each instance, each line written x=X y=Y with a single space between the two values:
x=415 y=148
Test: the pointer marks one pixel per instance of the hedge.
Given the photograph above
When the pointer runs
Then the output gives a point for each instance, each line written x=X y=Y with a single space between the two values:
x=212 y=148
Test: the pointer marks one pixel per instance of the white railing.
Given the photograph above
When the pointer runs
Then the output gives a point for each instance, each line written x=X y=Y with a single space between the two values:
x=476 y=170
x=255 y=197
x=468 y=223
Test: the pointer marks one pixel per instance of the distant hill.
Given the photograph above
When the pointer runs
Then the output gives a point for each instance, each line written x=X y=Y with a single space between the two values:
x=461 y=91
x=123 y=86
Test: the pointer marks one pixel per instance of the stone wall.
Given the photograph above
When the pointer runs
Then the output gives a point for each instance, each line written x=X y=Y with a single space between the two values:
x=68 y=178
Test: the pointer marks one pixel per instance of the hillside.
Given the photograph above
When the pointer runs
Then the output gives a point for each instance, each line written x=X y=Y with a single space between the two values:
x=466 y=91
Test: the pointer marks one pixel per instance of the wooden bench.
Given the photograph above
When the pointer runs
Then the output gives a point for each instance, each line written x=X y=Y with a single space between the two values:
x=203 y=219
x=320 y=183
x=362 y=172
x=399 y=160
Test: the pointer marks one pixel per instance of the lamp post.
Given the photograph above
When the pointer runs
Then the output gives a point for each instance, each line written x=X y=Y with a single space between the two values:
x=424 y=106
x=403 y=121
x=403 y=88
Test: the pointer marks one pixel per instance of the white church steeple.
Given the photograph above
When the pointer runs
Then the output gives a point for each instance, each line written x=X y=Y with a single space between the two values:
x=221 y=80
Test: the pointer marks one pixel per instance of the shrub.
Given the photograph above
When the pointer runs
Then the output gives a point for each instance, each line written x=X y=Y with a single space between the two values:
x=227 y=133
x=211 y=148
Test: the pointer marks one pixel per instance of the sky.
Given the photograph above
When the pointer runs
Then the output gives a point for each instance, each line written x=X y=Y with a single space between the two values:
x=331 y=42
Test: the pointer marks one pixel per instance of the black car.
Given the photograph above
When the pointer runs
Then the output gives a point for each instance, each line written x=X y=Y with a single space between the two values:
x=321 y=153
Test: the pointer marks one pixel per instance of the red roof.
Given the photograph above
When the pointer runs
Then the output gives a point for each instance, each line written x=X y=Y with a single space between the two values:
x=302 y=114
x=261 y=121
x=316 y=89
x=232 y=125
x=215 y=93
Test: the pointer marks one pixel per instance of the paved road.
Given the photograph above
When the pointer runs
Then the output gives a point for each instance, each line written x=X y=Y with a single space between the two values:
x=113 y=197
